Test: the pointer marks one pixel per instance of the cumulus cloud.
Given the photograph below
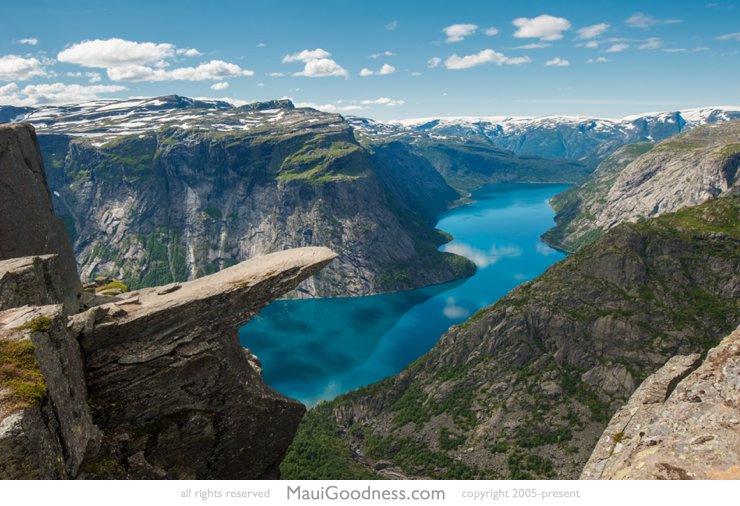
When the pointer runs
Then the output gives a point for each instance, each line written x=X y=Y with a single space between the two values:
x=593 y=31
x=383 y=71
x=393 y=25
x=544 y=27
x=557 y=62
x=306 y=55
x=93 y=77
x=651 y=43
x=456 y=62
x=214 y=70
x=335 y=107
x=127 y=60
x=641 y=20
x=617 y=48
x=277 y=74
x=375 y=56
x=30 y=41
x=433 y=62
x=115 y=53
x=18 y=68
x=316 y=64
x=323 y=67
x=458 y=32
x=220 y=86
x=491 y=31
x=188 y=52
x=534 y=45
x=600 y=59
x=730 y=36
x=388 y=102
x=54 y=93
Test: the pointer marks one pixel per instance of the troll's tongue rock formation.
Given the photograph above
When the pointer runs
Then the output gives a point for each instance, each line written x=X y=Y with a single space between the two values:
x=150 y=385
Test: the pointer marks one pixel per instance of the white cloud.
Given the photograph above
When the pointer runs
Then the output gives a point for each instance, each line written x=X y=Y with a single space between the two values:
x=18 y=68
x=260 y=85
x=458 y=32
x=730 y=36
x=388 y=102
x=591 y=44
x=30 y=42
x=337 y=107
x=433 y=62
x=651 y=43
x=188 y=52
x=383 y=71
x=641 y=20
x=386 y=69
x=600 y=59
x=393 y=25
x=544 y=27
x=277 y=74
x=213 y=70
x=55 y=93
x=375 y=56
x=534 y=45
x=306 y=55
x=456 y=62
x=415 y=74
x=323 y=67
x=115 y=53
x=517 y=60
x=617 y=48
x=593 y=31
x=93 y=77
x=261 y=44
x=491 y=31
x=220 y=86
x=317 y=64
x=557 y=62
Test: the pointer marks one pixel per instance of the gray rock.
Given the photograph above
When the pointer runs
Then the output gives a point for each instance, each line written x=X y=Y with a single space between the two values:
x=682 y=423
x=29 y=225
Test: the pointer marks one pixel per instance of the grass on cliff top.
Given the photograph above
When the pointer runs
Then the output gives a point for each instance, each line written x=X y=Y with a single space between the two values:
x=720 y=215
x=20 y=376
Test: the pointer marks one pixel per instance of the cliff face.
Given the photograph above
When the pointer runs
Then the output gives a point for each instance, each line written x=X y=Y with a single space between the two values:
x=682 y=423
x=29 y=225
x=525 y=387
x=643 y=180
x=171 y=189
x=149 y=384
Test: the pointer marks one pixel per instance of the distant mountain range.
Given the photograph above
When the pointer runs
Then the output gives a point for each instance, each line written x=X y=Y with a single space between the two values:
x=581 y=138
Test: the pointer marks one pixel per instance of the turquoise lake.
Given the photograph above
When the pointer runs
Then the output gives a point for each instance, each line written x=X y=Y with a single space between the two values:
x=316 y=349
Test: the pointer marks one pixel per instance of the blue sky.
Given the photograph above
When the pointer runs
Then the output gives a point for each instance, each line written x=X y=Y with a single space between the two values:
x=382 y=59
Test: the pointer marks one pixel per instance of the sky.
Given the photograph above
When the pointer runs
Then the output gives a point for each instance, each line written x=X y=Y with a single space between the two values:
x=380 y=59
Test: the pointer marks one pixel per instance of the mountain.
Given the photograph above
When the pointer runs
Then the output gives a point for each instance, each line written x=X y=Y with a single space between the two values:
x=524 y=388
x=569 y=137
x=468 y=162
x=147 y=384
x=171 y=188
x=643 y=180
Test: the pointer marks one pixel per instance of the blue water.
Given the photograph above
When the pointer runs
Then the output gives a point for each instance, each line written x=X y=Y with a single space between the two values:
x=316 y=349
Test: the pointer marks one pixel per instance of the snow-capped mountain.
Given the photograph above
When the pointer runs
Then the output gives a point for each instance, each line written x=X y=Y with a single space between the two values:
x=571 y=137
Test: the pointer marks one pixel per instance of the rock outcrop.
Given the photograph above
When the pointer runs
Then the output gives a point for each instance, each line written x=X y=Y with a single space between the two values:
x=645 y=180
x=27 y=214
x=147 y=384
x=682 y=423
x=524 y=388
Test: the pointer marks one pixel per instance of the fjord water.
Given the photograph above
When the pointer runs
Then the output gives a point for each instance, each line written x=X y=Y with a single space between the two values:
x=316 y=349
